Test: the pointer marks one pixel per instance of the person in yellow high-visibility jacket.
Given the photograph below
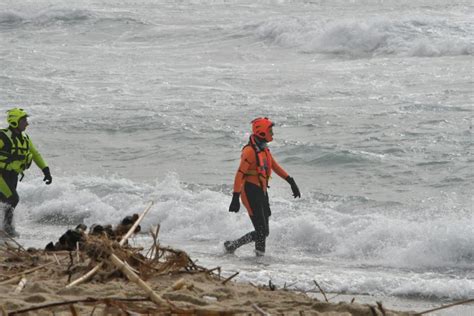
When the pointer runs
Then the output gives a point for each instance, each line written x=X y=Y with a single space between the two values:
x=17 y=152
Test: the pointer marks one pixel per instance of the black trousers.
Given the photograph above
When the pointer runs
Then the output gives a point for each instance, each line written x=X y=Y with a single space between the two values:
x=8 y=184
x=258 y=202
x=8 y=195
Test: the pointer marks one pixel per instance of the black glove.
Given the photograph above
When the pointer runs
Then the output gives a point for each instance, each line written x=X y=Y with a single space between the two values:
x=294 y=187
x=47 y=176
x=235 y=204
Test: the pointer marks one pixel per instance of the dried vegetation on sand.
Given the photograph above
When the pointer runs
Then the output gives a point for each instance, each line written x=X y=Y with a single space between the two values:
x=106 y=276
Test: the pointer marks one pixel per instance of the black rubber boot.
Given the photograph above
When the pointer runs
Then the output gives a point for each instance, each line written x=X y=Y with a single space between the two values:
x=260 y=241
x=8 y=223
x=231 y=246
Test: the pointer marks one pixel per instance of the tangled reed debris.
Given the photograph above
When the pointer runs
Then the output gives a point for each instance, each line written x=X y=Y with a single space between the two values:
x=107 y=250
x=106 y=260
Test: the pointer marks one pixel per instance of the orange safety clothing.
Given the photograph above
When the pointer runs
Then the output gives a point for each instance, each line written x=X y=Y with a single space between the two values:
x=256 y=172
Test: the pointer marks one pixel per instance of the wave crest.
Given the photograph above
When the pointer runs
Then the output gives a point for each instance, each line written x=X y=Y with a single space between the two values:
x=66 y=17
x=10 y=18
x=62 y=16
x=422 y=37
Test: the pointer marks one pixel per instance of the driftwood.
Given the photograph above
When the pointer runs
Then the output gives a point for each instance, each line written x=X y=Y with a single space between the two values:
x=20 y=286
x=447 y=306
x=321 y=290
x=11 y=280
x=127 y=270
x=4 y=234
x=154 y=235
x=26 y=272
x=86 y=276
x=230 y=278
x=122 y=242
x=87 y=300
x=259 y=310
x=134 y=278
x=134 y=226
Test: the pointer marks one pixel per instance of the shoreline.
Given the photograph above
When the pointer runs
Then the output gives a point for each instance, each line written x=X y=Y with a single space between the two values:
x=201 y=290
x=166 y=282
x=402 y=304
x=194 y=294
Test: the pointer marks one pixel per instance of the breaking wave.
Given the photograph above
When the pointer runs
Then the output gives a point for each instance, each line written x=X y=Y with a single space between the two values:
x=422 y=37
x=64 y=17
x=357 y=230
x=348 y=227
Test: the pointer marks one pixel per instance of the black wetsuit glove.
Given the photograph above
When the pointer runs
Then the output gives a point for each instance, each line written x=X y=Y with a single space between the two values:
x=235 y=204
x=47 y=176
x=294 y=187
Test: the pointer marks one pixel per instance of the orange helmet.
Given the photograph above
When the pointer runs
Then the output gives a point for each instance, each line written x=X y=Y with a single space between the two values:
x=262 y=127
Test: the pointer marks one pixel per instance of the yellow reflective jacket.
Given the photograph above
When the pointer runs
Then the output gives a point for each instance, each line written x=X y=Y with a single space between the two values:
x=17 y=152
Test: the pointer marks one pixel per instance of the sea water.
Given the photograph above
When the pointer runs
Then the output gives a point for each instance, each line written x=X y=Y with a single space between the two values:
x=138 y=101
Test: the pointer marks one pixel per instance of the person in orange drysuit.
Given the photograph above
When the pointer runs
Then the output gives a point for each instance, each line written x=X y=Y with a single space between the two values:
x=251 y=183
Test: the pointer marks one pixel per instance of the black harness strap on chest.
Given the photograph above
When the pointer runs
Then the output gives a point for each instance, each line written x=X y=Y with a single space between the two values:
x=11 y=148
x=259 y=163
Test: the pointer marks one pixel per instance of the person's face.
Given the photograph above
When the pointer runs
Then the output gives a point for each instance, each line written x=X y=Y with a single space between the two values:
x=22 y=124
x=269 y=137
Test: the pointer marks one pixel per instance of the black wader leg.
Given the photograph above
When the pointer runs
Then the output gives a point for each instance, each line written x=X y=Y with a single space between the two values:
x=261 y=211
x=231 y=246
x=261 y=233
x=260 y=220
x=9 y=204
x=8 y=221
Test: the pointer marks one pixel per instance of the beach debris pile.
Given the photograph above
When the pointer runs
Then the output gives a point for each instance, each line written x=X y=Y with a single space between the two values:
x=99 y=271
x=76 y=238
x=100 y=255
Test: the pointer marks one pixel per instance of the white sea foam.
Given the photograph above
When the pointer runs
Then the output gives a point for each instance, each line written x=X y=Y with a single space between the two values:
x=417 y=36
x=310 y=229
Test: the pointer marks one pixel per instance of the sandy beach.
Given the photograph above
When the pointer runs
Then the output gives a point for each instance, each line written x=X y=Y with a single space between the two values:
x=201 y=294
x=35 y=282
